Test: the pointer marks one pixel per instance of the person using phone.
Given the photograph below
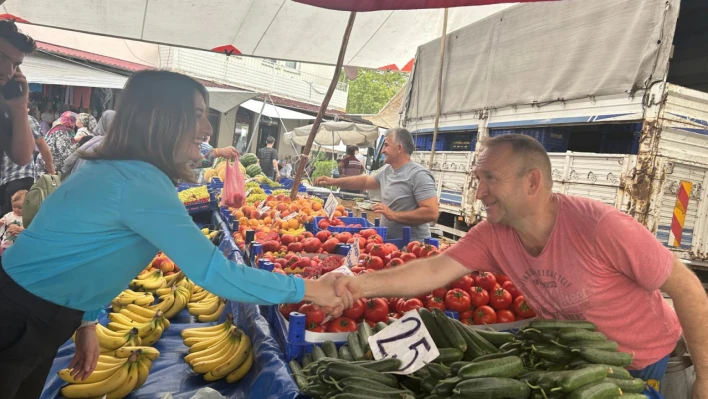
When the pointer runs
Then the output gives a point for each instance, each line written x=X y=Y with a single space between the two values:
x=16 y=139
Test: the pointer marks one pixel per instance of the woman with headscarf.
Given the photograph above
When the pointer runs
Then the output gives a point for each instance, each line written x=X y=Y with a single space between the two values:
x=74 y=162
x=86 y=124
x=60 y=141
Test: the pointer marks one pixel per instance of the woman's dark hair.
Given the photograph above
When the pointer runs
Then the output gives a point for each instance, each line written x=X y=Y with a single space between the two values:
x=154 y=115
x=22 y=42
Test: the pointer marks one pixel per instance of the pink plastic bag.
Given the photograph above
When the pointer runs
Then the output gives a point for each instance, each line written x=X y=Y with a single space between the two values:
x=234 y=194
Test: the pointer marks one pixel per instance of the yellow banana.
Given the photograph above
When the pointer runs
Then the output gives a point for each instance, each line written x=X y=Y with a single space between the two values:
x=110 y=342
x=190 y=341
x=214 y=316
x=141 y=311
x=148 y=284
x=205 y=302
x=98 y=374
x=145 y=300
x=97 y=388
x=110 y=359
x=195 y=331
x=143 y=329
x=241 y=370
x=163 y=291
x=135 y=316
x=227 y=349
x=173 y=279
x=233 y=362
x=128 y=385
x=177 y=306
x=204 y=344
x=203 y=308
x=149 y=275
x=165 y=303
x=198 y=296
x=150 y=339
x=196 y=357
x=144 y=366
x=202 y=335
x=146 y=351
x=215 y=351
x=123 y=319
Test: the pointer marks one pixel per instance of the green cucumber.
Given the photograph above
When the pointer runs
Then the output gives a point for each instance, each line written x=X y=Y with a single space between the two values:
x=506 y=367
x=615 y=372
x=635 y=385
x=317 y=353
x=355 y=346
x=383 y=365
x=578 y=378
x=491 y=356
x=630 y=396
x=574 y=334
x=364 y=333
x=340 y=371
x=431 y=325
x=306 y=359
x=380 y=326
x=473 y=351
x=445 y=387
x=602 y=390
x=445 y=324
x=353 y=396
x=361 y=381
x=449 y=355
x=550 y=380
x=298 y=375
x=598 y=356
x=428 y=384
x=345 y=354
x=374 y=393
x=492 y=388
x=497 y=338
x=540 y=335
x=455 y=367
x=563 y=324
x=330 y=349
x=531 y=377
x=510 y=345
x=317 y=390
x=610 y=346
x=438 y=371
x=485 y=345
x=554 y=354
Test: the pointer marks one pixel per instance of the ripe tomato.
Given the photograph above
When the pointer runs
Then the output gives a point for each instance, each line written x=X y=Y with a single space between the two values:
x=391 y=248
x=485 y=315
x=286 y=308
x=356 y=311
x=505 y=316
x=522 y=309
x=344 y=237
x=479 y=297
x=411 y=245
x=509 y=286
x=396 y=254
x=425 y=250
x=330 y=245
x=323 y=235
x=457 y=300
x=378 y=250
x=407 y=257
x=342 y=324
x=315 y=328
x=392 y=302
x=440 y=292
x=376 y=310
x=410 y=304
x=366 y=233
x=312 y=314
x=501 y=299
x=375 y=238
x=467 y=314
x=464 y=283
x=433 y=253
x=373 y=262
x=501 y=279
x=436 y=302
x=312 y=245
x=394 y=262
x=486 y=281
x=295 y=247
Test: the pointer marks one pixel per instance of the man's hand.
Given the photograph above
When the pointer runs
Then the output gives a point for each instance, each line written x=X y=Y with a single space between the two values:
x=19 y=104
x=324 y=181
x=348 y=286
x=87 y=352
x=226 y=152
x=321 y=292
x=384 y=210
x=50 y=169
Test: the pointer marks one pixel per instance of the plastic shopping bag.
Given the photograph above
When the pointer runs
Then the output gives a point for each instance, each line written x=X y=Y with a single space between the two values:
x=234 y=194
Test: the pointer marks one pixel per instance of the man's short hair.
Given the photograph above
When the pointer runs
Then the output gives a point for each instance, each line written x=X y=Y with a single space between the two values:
x=270 y=140
x=22 y=42
x=404 y=138
x=528 y=150
x=351 y=149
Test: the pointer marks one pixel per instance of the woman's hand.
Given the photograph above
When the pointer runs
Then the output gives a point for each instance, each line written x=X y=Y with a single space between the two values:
x=322 y=292
x=87 y=352
x=226 y=152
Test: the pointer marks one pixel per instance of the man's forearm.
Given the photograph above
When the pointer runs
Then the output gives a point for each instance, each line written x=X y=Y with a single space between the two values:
x=692 y=310
x=46 y=153
x=352 y=182
x=22 y=141
x=415 y=217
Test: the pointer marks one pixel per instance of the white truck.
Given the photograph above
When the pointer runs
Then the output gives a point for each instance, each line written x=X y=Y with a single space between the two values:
x=612 y=88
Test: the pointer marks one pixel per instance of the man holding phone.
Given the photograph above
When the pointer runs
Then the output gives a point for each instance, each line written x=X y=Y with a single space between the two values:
x=16 y=139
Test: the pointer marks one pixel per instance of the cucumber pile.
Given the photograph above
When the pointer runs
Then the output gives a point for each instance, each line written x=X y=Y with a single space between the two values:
x=549 y=359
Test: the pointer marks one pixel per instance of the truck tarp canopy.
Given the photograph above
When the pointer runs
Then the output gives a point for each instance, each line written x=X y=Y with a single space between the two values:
x=543 y=52
x=335 y=133
x=378 y=5
x=279 y=29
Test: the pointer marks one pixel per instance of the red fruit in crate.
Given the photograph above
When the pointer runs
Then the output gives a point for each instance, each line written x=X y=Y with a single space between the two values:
x=407 y=257
x=505 y=316
x=376 y=309
x=312 y=245
x=373 y=262
x=366 y=233
x=323 y=235
x=486 y=281
x=378 y=250
x=479 y=297
x=501 y=279
x=433 y=253
x=464 y=283
x=341 y=324
x=330 y=245
x=306 y=235
x=411 y=304
x=395 y=262
x=435 y=302
x=167 y=266
x=356 y=311
x=287 y=239
x=509 y=286
x=396 y=254
x=271 y=246
x=313 y=314
x=296 y=247
x=392 y=302
x=317 y=328
x=375 y=238
x=440 y=292
x=344 y=237
x=411 y=245
x=500 y=299
x=457 y=300
x=323 y=224
x=485 y=315
x=522 y=308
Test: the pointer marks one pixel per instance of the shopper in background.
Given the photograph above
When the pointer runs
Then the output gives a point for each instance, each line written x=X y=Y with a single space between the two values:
x=268 y=159
x=205 y=148
x=11 y=223
x=573 y=258
x=350 y=166
x=100 y=228
x=86 y=124
x=61 y=143
x=16 y=139
x=286 y=168
x=360 y=156
x=73 y=162
x=47 y=118
x=408 y=192
x=15 y=177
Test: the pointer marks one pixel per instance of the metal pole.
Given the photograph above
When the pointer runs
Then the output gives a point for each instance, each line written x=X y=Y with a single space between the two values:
x=439 y=99
x=325 y=103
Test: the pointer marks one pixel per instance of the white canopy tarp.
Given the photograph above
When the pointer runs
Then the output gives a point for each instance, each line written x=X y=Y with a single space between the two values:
x=279 y=29
x=335 y=134
x=274 y=111
x=51 y=70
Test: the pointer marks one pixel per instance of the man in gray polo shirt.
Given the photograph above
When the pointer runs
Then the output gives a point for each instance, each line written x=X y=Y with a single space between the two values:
x=408 y=194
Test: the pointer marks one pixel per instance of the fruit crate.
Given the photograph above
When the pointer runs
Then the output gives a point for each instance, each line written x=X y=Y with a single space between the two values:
x=203 y=205
x=352 y=220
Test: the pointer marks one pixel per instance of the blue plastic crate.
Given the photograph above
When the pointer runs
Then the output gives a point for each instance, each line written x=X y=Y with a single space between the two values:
x=210 y=205
x=403 y=241
x=352 y=220
x=553 y=139
x=424 y=142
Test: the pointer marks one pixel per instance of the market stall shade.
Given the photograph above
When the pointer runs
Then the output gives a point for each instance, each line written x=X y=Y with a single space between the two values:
x=335 y=134
x=380 y=5
x=277 y=29
x=274 y=111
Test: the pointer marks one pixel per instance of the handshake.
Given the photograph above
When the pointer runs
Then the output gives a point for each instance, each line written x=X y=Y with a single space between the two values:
x=334 y=292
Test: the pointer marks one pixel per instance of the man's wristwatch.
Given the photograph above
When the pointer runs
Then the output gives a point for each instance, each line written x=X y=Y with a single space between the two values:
x=88 y=323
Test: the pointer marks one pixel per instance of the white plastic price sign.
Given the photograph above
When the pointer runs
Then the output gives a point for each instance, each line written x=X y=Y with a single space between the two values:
x=290 y=216
x=248 y=192
x=330 y=206
x=352 y=258
x=343 y=270
x=408 y=340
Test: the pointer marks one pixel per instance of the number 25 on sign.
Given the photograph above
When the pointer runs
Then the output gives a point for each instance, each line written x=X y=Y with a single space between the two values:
x=408 y=340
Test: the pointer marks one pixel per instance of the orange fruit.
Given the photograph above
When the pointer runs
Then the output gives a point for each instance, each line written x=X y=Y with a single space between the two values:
x=284 y=214
x=341 y=209
x=316 y=206
x=284 y=225
x=293 y=223
x=337 y=214
x=267 y=220
x=253 y=223
x=238 y=214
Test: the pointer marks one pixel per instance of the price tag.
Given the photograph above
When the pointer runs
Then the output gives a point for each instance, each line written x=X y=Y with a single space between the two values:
x=290 y=216
x=408 y=340
x=352 y=258
x=330 y=206
x=343 y=270
x=248 y=192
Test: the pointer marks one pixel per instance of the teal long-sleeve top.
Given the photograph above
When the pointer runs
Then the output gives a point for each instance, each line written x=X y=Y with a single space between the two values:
x=104 y=225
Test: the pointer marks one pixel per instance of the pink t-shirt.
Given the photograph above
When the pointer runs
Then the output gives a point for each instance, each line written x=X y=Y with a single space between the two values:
x=599 y=265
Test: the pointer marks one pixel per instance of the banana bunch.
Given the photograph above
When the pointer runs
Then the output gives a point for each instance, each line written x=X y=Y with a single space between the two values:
x=128 y=297
x=194 y=194
x=173 y=279
x=150 y=281
x=109 y=340
x=206 y=306
x=116 y=375
x=294 y=232
x=221 y=351
x=149 y=323
x=172 y=300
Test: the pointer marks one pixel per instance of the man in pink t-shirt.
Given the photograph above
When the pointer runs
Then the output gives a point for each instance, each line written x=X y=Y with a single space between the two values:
x=574 y=259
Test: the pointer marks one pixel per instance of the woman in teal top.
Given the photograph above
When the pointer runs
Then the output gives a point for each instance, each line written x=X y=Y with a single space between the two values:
x=102 y=226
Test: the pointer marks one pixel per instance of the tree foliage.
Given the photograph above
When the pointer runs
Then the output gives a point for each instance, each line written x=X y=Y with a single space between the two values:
x=372 y=90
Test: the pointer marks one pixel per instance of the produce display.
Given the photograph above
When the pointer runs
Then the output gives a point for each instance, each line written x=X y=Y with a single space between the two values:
x=547 y=359
x=194 y=195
